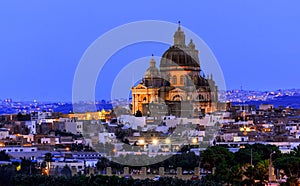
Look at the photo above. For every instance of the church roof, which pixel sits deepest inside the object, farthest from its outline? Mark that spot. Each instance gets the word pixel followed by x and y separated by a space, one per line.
pixel 152 71
pixel 180 54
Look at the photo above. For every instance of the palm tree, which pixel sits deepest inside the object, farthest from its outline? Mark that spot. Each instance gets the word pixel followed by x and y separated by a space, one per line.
pixel 262 168
pixel 47 160
pixel 250 175
pixel 48 157
pixel 296 151
pixel 235 175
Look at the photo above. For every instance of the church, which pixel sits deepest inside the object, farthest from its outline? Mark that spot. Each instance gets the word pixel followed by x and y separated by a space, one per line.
pixel 177 88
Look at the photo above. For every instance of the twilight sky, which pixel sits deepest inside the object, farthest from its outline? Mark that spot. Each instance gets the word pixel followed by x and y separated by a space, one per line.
pixel 255 42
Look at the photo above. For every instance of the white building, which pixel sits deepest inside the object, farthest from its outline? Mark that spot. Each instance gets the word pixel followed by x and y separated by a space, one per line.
pixel 29 138
pixel 132 121
pixel 266 106
pixel 40 117
pixel 72 126
pixel 17 149
pixel 31 125
pixel 4 133
pixel 45 140
pixel 240 138
pixel 106 137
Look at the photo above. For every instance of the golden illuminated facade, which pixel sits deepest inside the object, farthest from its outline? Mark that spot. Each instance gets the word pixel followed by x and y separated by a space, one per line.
pixel 177 87
pixel 99 115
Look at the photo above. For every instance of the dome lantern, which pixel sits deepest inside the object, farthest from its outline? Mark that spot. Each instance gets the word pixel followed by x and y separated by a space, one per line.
pixel 152 71
pixel 179 37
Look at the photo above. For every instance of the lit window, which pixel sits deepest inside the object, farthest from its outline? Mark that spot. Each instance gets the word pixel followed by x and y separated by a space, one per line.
pixel 174 80
pixel 182 79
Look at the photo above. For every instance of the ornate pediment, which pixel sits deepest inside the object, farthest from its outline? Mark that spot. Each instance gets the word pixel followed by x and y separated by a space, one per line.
pixel 140 86
pixel 177 90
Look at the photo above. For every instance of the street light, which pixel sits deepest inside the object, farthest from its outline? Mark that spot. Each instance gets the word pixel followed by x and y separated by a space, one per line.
pixel 141 142
pixel 188 98
pixel 168 141
pixel 155 141
pixel 271 169
pixel 271 156
pixel 194 141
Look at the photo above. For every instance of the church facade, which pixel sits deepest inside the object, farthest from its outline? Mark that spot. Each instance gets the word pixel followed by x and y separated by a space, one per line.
pixel 177 87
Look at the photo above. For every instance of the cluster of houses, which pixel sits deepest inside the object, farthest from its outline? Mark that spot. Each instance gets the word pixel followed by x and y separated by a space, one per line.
pixel 79 140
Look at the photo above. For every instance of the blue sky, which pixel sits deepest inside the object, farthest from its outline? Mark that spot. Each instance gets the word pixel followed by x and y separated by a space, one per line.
pixel 255 42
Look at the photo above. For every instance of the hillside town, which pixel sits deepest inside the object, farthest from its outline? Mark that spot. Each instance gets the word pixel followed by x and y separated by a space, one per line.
pixel 66 139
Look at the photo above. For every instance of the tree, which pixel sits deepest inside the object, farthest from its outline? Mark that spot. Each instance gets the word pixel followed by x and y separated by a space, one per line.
pixel 296 151
pixel 138 113
pixel 255 153
pixel 46 163
pixel 28 167
pixel 250 174
pixel 48 157
pixel 213 156
pixel 262 169
pixel 235 175
pixel 66 171
pixel 292 181
pixel 289 163
pixel 7 173
pixel 102 164
pixel 23 117
pixel 4 156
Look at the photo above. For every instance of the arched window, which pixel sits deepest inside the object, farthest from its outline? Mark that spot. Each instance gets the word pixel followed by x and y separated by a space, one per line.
pixel 177 98
pixel 200 97
pixel 195 79
pixel 182 79
pixel 174 80
pixel 145 99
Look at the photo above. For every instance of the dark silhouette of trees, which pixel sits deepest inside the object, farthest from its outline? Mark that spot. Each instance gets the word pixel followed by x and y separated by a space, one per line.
pixel 214 156
pixel 23 117
pixel 66 171
pixel 257 151
pixel 222 168
pixel 138 113
pixel 4 156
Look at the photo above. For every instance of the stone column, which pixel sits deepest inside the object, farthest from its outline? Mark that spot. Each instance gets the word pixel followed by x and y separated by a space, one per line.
pixel 213 170
pixel 161 171
pixel 179 172
pixel 91 170
pixel 126 170
pixel 108 171
pixel 144 173
pixel 74 171
pixel 197 171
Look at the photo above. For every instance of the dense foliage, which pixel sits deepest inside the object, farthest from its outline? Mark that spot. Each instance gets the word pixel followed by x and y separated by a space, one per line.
pixel 248 166
pixel 21 180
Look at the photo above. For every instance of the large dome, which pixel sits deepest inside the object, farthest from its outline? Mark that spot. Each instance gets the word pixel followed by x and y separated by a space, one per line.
pixel 179 56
